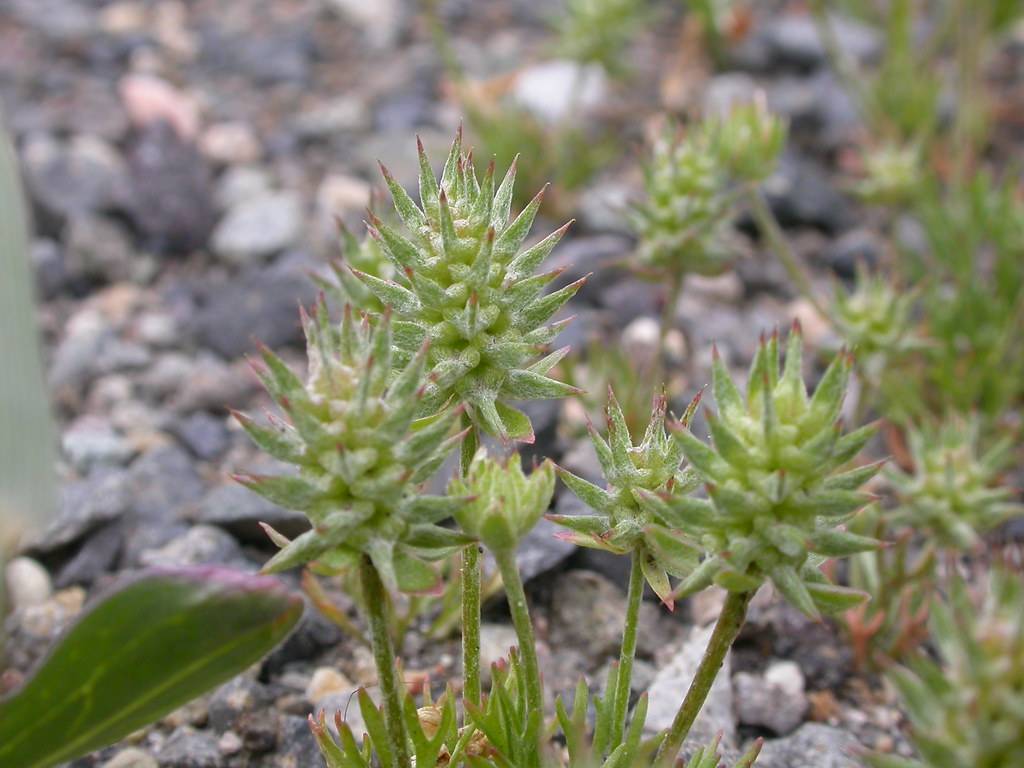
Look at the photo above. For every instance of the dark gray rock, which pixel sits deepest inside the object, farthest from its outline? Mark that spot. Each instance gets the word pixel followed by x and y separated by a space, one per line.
pixel 162 482
pixel 96 557
pixel 794 40
pixel 818 108
pixel 233 699
pixel 296 745
pixel 172 194
pixel 62 21
pixel 259 303
pixel 812 746
pixel 801 193
pixel 240 511
pixel 259 729
pixel 600 256
pixel 91 441
pixel 98 249
pixel 281 56
pixel 189 748
pixel 205 436
pixel 311 636
pixel 630 299
pixel 48 265
pixel 81 175
pixel 858 246
pixel 85 505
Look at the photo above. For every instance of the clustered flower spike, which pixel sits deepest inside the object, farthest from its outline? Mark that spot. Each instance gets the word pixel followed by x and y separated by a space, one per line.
pixel 953 492
pixel 365 256
pixel 464 285
pixel 360 462
pixel 630 517
pixel 874 318
pixel 748 140
pixel 682 224
pixel 776 492
pixel 505 503
pixel 967 709
pixel 892 175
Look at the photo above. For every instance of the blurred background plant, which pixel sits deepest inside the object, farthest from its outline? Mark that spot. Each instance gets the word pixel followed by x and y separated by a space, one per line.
pixel 964 705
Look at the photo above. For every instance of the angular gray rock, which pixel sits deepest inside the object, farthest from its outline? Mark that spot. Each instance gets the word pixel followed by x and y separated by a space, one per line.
pixel 812 746
pixel 774 699
pixel 671 684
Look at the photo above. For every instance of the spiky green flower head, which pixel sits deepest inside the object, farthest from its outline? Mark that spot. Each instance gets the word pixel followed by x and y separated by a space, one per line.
pixel 777 492
pixel 892 175
pixel 367 257
pixel 953 493
pixel 873 319
pixel 360 459
pixel 630 516
pixel 748 140
pixel 967 708
pixel 506 502
pixel 470 291
pixel 683 223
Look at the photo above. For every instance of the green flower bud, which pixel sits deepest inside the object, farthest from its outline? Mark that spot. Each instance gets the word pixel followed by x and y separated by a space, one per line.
pixel 749 140
pixel 631 515
pixel 874 318
pixel 953 493
pixel 360 459
pixel 682 224
pixel 463 284
pixel 967 709
pixel 505 502
pixel 776 492
pixel 892 175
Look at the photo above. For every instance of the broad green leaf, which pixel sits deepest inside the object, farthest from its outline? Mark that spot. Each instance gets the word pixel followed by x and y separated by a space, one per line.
pixel 146 648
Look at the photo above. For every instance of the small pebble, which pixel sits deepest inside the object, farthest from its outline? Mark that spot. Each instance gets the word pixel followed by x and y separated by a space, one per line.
pixel 28 583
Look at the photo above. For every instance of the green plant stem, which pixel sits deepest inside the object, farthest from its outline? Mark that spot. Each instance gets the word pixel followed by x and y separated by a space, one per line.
pixel 509 571
pixel 375 599
pixel 628 652
pixel 776 239
pixel 668 316
pixel 470 590
pixel 726 628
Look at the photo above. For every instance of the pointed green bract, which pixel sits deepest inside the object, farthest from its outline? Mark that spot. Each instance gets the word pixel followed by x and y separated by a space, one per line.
pixel 358 455
pixel 773 474
pixel 365 256
pixel 630 513
pixel 461 278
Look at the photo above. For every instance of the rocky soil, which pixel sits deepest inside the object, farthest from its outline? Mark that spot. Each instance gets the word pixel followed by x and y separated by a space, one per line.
pixel 185 163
